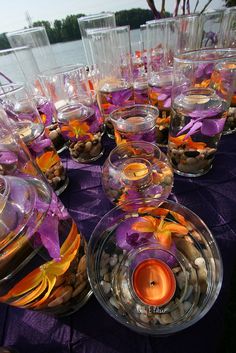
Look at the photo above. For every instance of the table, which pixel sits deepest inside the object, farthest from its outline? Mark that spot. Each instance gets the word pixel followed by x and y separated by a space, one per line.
pixel 91 329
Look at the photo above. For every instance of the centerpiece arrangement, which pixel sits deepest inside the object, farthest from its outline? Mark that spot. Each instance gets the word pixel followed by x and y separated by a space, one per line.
pixel 43 254
pixel 154 268
pixel 152 264
pixel 136 170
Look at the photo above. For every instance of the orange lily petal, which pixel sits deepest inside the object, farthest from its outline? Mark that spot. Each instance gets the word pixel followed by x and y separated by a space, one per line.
pixel 70 239
pixel 204 83
pixel 32 295
pixel 174 227
pixel 155 211
pixel 147 225
pixel 28 168
pixel 29 282
pixel 51 282
pixel 196 145
pixel 179 218
pixel 164 238
pixel 233 101
pixel 47 160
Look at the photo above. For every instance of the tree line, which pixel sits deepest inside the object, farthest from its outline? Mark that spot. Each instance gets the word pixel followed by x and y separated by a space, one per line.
pixel 68 29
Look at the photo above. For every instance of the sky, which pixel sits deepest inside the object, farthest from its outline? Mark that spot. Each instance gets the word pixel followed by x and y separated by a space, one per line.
pixel 13 12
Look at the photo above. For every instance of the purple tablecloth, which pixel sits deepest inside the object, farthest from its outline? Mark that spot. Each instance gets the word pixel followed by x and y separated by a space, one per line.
pixel 212 197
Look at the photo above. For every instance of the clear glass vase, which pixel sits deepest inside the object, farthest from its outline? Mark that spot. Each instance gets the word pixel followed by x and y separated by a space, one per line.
pixel 37 39
pixel 42 253
pixel 78 116
pixel 159 92
pixel 86 23
pixel 43 260
pixel 201 95
pixel 154 268
pixel 19 65
pixel 25 118
pixel 228 29
pixel 111 51
pixel 211 24
pixel 135 170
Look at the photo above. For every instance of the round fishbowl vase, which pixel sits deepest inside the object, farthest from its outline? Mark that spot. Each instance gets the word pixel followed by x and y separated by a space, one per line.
pixel 42 254
pixel 136 170
pixel 156 270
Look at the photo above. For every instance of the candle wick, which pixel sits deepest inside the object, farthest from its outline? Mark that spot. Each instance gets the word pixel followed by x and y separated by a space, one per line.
pixel 152 283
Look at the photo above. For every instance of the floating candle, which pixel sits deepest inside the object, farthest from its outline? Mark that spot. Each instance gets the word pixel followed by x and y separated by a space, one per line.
pixel 154 282
pixel 196 99
pixel 60 103
pixel 135 171
pixel 135 120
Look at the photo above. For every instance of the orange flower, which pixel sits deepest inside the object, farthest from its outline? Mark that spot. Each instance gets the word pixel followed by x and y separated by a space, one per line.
pixel 106 107
pixel 159 211
pixel 203 84
pixel 163 121
pixel 42 280
pixel 76 129
pixel 138 53
pixel 217 83
pixel 153 96
pixel 187 142
pixel 118 138
pixel 47 160
pixel 43 117
pixel 162 229
pixel 233 101
pixel 29 168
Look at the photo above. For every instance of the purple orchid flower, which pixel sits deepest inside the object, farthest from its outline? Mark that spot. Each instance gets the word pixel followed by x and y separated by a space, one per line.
pixel 119 97
pixel 204 71
pixel 40 144
pixel 8 157
pixel 153 190
pixel 211 38
pixel 46 107
pixel 164 95
pixel 48 230
pixel 94 122
pixel 211 127
pixel 141 95
pixel 127 238
pixel 208 127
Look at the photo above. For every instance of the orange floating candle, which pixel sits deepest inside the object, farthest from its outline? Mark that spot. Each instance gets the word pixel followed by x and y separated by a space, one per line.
pixel 154 282
pixel 135 171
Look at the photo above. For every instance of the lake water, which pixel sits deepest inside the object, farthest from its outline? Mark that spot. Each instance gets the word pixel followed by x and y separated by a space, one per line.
pixel 73 52
pixel 65 53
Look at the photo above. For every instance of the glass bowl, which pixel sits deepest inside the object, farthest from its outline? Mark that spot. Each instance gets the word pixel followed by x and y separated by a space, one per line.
pixel 136 170
pixel 156 270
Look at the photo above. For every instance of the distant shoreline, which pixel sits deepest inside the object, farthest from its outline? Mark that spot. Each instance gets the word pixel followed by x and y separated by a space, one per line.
pixel 67 29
